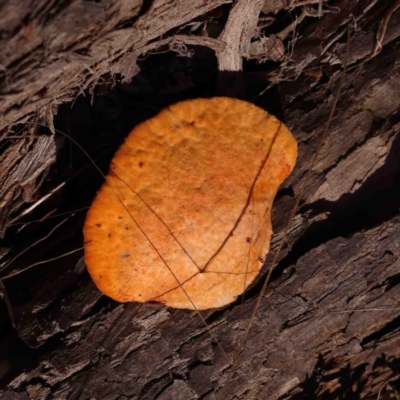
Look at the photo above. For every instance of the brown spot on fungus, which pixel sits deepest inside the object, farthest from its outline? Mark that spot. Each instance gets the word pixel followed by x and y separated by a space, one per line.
pixel 192 228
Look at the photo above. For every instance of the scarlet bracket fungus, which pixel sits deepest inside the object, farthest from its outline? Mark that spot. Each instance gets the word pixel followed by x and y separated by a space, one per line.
pixel 184 216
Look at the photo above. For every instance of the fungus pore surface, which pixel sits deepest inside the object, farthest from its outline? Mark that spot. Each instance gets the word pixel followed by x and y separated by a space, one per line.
pixel 184 217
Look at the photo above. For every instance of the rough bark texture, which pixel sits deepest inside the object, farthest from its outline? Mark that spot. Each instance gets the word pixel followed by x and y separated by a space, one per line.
pixel 64 48
pixel 328 325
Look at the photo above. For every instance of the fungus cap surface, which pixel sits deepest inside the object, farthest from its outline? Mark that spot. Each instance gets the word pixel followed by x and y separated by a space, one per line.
pixel 184 217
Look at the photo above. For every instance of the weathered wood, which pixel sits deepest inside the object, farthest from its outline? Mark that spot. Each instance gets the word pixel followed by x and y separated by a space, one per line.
pixel 328 325
pixel 53 51
pixel 23 167
pixel 240 28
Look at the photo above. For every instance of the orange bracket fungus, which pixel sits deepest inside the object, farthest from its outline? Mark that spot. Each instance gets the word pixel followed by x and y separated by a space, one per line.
pixel 184 217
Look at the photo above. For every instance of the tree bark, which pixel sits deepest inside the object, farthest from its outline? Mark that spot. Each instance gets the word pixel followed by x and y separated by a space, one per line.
pixel 328 324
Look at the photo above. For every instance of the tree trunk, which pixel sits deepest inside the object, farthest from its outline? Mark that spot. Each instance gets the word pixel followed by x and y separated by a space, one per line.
pixel 328 324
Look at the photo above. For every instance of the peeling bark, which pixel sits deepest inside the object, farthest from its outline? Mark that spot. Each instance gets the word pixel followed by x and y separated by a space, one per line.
pixel 64 49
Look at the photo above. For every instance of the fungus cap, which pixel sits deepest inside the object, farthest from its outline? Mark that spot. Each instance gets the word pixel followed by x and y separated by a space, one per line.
pixel 184 217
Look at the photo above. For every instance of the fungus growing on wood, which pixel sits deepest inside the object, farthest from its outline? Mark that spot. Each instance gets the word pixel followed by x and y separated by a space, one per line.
pixel 184 217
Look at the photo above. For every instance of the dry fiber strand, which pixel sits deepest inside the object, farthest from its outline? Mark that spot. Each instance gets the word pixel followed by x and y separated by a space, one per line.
pixel 184 217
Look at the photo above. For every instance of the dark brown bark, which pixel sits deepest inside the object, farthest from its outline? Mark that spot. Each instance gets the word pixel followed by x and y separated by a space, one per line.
pixel 328 325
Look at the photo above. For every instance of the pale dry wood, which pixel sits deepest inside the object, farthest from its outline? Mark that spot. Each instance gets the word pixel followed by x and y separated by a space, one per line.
pixel 240 28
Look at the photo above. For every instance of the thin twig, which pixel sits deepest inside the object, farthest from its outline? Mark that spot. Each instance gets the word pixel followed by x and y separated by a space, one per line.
pixel 37 203
pixel 292 214
pixel 52 191
pixel 380 35
pixel 384 384
pixel 45 218
pixel 382 29
pixel 320 9
pixel 37 242
pixel 42 262
pixel 286 31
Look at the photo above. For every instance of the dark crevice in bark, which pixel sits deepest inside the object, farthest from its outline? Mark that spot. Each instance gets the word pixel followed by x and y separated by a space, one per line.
pixel 390 327
pixel 375 202
pixel 393 280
